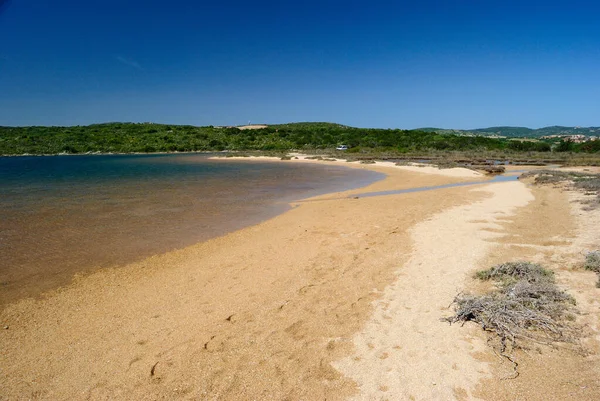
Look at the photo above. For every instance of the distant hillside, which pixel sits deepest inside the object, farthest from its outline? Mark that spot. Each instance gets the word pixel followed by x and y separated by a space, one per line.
pixel 556 130
pixel 443 131
pixel 520 132
pixel 501 131
pixel 505 131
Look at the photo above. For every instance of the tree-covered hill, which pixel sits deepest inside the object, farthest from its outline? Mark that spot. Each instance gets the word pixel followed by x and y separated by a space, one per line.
pixel 149 137
pixel 558 130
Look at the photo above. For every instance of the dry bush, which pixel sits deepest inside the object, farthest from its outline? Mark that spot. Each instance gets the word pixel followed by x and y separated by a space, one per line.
pixel 549 176
pixel 512 271
pixel 591 204
pixel 588 183
pixel 494 169
pixel 525 306
pixel 592 263
pixel 444 164
pixel 403 163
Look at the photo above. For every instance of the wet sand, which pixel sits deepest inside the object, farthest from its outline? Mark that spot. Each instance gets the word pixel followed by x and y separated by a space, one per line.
pixel 338 298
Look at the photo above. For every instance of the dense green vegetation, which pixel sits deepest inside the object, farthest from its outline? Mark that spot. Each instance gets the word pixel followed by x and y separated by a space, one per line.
pixel 148 137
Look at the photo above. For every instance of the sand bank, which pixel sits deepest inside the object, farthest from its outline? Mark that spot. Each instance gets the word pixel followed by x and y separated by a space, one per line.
pixel 555 231
pixel 404 352
pixel 421 168
pixel 288 309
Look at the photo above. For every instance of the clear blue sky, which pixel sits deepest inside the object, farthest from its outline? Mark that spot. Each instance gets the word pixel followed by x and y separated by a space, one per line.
pixel 404 64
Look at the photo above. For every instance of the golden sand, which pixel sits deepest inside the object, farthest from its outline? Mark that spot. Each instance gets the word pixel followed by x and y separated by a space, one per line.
pixel 338 298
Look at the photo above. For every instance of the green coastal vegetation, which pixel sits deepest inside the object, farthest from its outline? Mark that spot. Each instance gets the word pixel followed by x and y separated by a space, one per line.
pixel 150 138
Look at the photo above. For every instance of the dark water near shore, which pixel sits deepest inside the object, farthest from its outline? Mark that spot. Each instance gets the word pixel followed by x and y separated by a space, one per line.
pixel 63 215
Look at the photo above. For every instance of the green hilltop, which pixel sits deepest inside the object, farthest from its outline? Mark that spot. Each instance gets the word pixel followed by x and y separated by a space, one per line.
pixel 149 137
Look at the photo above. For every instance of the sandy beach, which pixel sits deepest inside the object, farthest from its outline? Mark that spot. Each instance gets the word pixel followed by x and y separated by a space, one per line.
pixel 339 298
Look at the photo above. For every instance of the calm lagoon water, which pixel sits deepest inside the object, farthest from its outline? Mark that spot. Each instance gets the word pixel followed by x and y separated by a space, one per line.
pixel 61 215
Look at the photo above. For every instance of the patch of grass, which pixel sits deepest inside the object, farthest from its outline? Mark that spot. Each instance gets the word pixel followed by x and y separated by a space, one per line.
pixel 525 306
pixel 367 162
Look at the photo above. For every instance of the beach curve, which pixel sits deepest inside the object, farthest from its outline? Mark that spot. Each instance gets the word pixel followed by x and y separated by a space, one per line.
pixel 280 310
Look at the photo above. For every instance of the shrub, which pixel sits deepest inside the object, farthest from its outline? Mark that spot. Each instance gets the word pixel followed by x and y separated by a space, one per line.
pixel 494 169
pixel 592 261
pixel 526 306
pixel 549 176
pixel 514 271
pixel 446 164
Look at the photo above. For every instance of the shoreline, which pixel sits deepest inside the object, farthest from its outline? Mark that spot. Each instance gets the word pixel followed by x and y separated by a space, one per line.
pixel 113 298
pixel 461 175
pixel 269 311
pixel 424 168
pixel 153 225
pixel 226 154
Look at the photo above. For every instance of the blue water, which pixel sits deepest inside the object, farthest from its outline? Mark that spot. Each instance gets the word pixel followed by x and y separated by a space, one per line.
pixel 60 215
